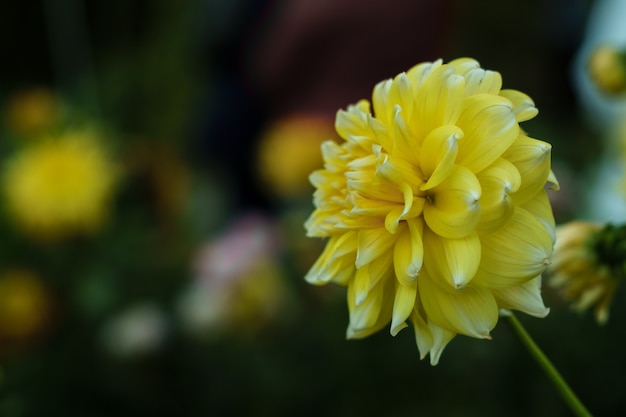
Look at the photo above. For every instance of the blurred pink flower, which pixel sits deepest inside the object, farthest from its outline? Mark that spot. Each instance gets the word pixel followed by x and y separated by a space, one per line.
pixel 237 278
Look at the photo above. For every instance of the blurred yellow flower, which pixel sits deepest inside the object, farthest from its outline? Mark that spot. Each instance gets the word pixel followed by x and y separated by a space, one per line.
pixel 434 206
pixel 60 186
pixel 607 68
pixel 32 112
pixel 289 150
pixel 588 264
pixel 24 305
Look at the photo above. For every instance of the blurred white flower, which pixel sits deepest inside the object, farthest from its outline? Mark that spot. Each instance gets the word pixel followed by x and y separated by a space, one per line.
pixel 603 112
pixel 605 26
pixel 140 330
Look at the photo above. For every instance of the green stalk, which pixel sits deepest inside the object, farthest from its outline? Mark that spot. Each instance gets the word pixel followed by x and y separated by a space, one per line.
pixel 553 374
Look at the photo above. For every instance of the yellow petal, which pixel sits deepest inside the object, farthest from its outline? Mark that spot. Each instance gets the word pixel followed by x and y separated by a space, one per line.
pixel 525 298
pixel 377 189
pixel 368 207
pixel 429 337
pixel 364 313
pixel 423 336
pixel 412 207
pixel 453 208
pixel 334 156
pixel 553 181
pixel 540 207
pixel 497 182
pixel 397 170
pixel 408 253
pixel 573 269
pixel 392 219
pixel 330 198
pixel 336 263
pixel 482 81
pixel 362 167
pixel 327 179
pixel 602 307
pixel 453 262
pixel 572 235
pixel 478 80
pixel 471 311
pixel 403 305
pixel 324 224
pixel 588 297
pixel 532 159
pixel 441 338
pixel 379 133
pixel 383 108
pixel 523 106
pixel 463 65
pixel 372 244
pixel 401 94
pixel 490 128
pixel 373 314
pixel 361 130
pixel 353 121
pixel 420 73
pixel 515 253
pixel 362 284
pixel 438 102
pixel 369 275
pixel 343 222
pixel 404 144
pixel 438 154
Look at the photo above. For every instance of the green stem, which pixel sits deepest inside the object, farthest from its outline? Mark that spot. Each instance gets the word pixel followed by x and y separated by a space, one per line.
pixel 566 392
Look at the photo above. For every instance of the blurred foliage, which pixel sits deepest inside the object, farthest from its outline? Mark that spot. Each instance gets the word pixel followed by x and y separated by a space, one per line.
pixel 154 77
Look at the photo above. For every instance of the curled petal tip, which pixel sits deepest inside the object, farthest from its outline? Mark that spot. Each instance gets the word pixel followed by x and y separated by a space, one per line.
pixel 360 298
pixel 395 328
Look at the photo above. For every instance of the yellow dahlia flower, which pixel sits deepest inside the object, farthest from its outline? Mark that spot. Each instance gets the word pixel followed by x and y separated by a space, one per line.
pixel 60 186
pixel 434 206
pixel 588 264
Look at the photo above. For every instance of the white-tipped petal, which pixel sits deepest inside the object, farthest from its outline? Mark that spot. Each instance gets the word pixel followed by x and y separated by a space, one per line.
pixel 403 304
pixel 525 298
pixel 471 311
pixel 453 261
pixel 453 208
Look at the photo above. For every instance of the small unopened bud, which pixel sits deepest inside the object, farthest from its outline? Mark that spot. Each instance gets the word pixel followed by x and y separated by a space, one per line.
pixel 608 245
pixel 588 264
